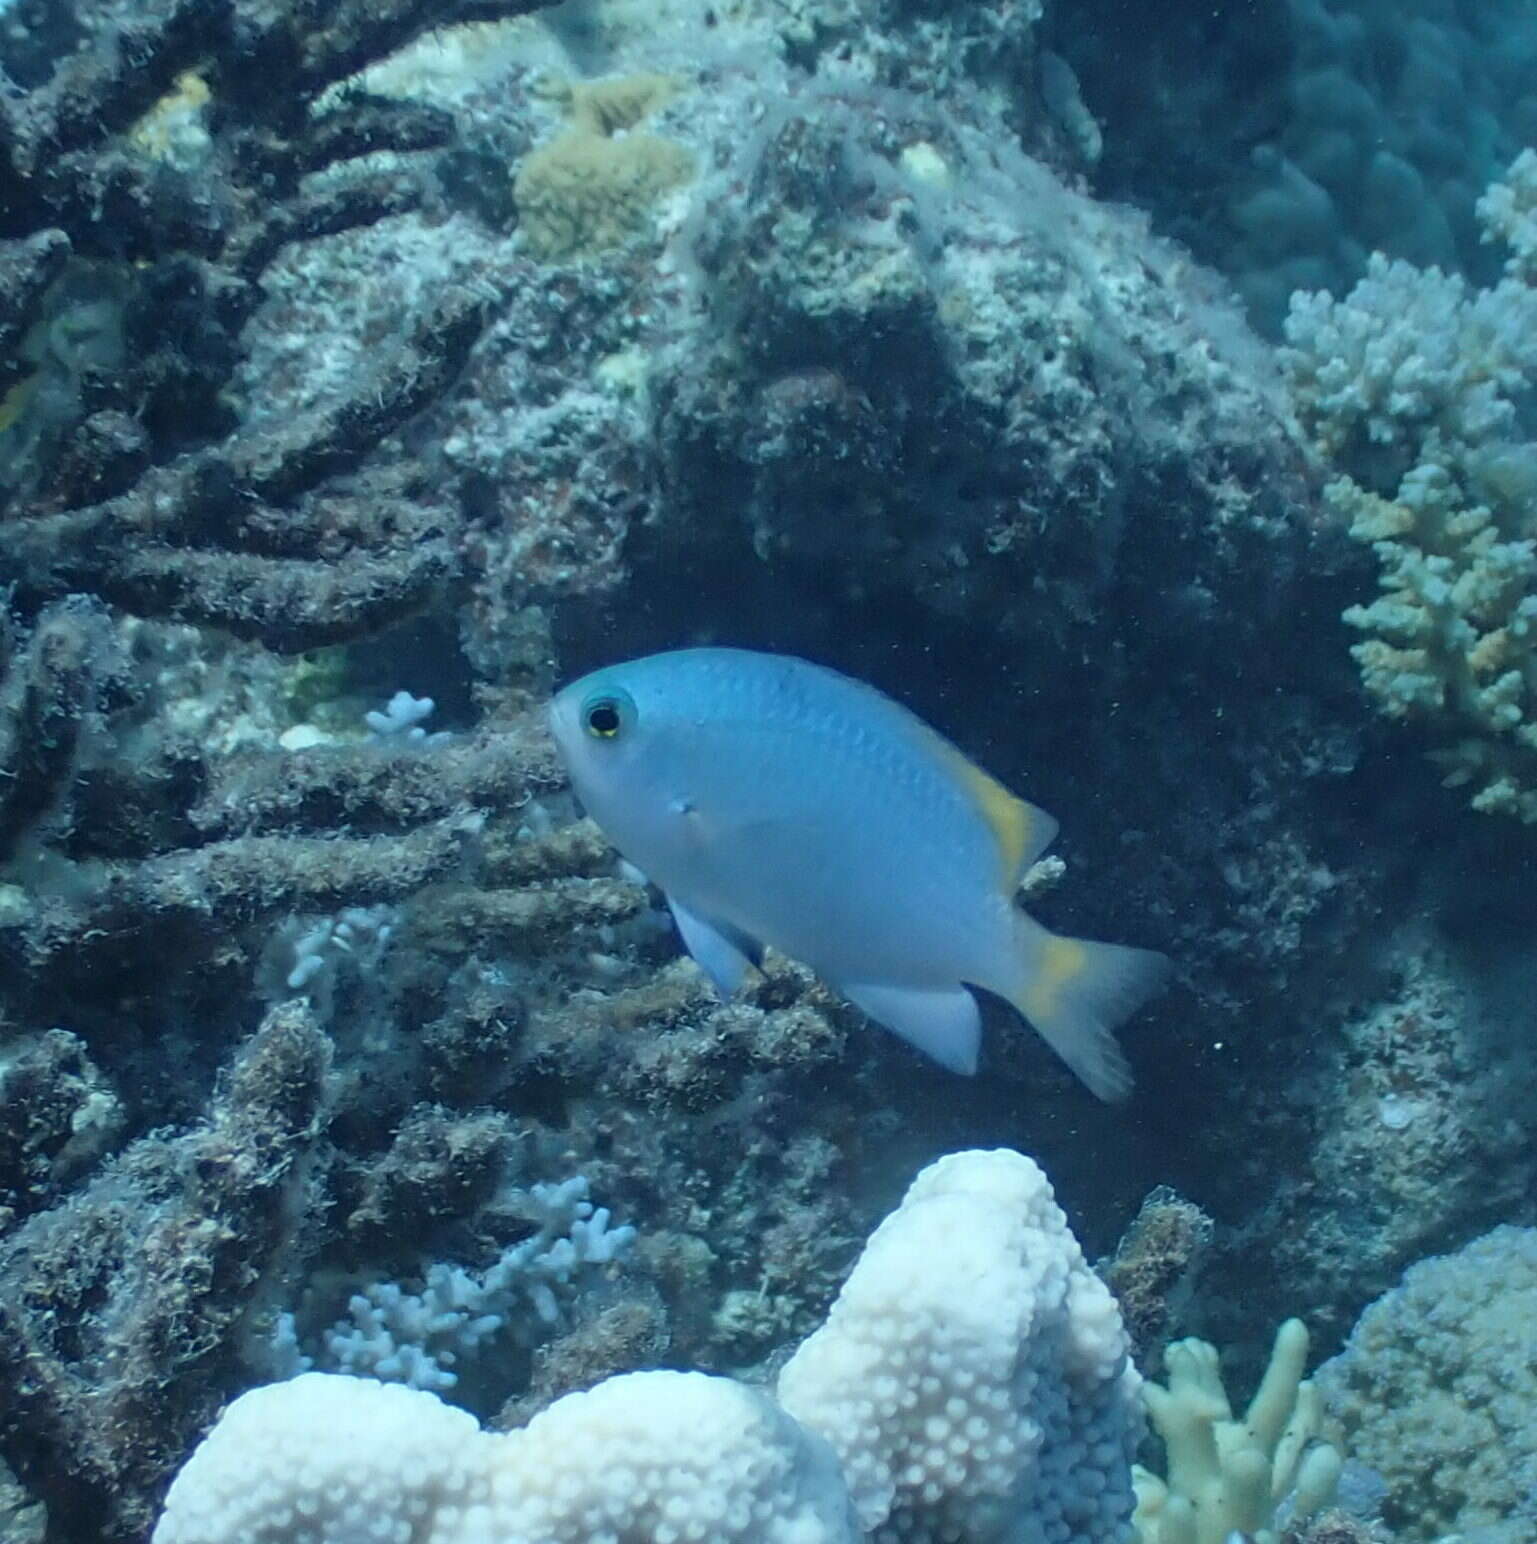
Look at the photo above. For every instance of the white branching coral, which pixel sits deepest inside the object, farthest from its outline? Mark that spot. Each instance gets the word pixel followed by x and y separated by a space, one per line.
pixel 425 1337
pixel 1509 214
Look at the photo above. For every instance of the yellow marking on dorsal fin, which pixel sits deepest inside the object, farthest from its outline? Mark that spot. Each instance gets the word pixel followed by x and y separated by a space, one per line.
pixel 1008 817
pixel 1022 831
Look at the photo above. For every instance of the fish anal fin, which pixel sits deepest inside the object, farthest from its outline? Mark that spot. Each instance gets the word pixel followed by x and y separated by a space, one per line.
pixel 722 952
pixel 945 1023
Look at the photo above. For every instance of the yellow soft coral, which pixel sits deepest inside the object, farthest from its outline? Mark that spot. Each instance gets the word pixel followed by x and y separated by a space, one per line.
pixel 592 186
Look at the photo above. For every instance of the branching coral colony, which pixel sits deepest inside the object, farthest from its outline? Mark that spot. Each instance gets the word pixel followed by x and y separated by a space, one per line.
pixel 1416 387
pixel 145 188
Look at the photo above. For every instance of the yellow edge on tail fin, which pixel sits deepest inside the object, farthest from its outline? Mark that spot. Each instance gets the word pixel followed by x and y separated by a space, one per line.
pixel 1059 961
pixel 1077 993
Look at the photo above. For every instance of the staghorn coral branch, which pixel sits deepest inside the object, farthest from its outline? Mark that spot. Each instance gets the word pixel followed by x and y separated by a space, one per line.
pixel 370 789
pixel 179 545
pixel 208 890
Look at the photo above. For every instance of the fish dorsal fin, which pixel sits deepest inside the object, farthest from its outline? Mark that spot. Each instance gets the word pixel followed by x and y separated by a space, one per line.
pixel 1022 831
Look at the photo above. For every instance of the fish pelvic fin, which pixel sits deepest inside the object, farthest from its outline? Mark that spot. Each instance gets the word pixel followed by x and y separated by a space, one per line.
pixel 1076 993
pixel 722 952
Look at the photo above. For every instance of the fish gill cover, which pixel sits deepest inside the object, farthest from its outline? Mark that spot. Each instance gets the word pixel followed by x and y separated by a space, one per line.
pixel 368 371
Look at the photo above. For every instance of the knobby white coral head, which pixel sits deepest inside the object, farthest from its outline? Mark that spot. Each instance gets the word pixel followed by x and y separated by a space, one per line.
pixel 971 1382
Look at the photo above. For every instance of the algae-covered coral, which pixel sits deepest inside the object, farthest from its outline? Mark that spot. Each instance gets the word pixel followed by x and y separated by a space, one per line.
pixel 1433 1390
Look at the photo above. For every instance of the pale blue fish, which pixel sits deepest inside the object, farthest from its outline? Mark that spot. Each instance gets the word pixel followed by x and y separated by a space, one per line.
pixel 778 803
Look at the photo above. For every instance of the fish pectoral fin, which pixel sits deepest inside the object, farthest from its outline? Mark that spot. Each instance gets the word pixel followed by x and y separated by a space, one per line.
pixel 721 951
pixel 945 1024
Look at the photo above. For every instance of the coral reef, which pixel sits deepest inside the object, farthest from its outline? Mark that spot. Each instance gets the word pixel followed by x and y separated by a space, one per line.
pixel 423 1338
pixel 1335 1527
pixel 490 961
pixel 22 1520
pixel 973 1368
pixel 150 183
pixel 58 1115
pixel 1406 1130
pixel 256 837
pixel 131 282
pixel 1153 1269
pixel 1283 147
pixel 684 1455
pixel 936 390
pixel 1229 1476
pixel 114 1305
pixel 593 184
pixel 335 427
pixel 920 397
pixel 56 676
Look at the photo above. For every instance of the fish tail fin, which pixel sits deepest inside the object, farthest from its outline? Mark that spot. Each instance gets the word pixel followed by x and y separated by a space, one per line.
pixel 1075 994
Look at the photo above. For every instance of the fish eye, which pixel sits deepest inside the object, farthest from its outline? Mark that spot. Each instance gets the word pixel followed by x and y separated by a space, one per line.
pixel 603 718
